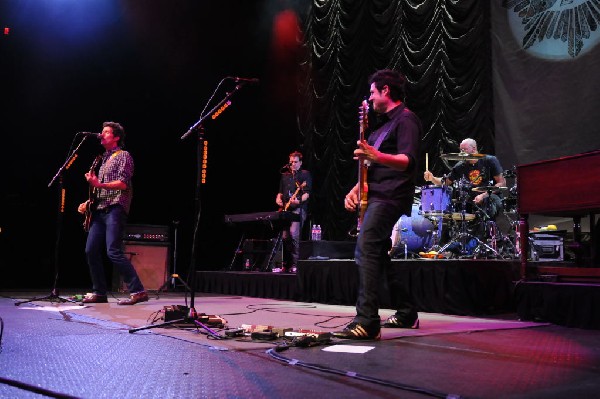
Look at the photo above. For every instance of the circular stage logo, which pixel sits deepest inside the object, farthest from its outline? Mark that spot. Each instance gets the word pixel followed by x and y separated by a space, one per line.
pixel 555 29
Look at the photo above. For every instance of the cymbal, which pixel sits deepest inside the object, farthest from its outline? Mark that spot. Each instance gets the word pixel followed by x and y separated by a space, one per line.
pixel 485 189
pixel 461 156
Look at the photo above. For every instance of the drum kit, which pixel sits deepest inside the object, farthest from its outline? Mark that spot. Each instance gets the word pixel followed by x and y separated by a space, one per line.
pixel 445 223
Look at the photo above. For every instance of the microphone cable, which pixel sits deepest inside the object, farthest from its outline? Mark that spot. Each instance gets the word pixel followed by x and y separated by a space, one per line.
pixel 295 362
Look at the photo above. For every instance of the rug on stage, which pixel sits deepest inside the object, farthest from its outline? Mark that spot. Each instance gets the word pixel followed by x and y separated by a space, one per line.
pixel 238 311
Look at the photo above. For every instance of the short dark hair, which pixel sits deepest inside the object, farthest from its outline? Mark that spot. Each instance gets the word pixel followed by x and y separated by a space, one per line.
pixel 296 154
pixel 392 79
pixel 117 129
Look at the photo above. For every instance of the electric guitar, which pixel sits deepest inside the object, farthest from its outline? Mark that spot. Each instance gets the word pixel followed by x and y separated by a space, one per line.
pixel 363 166
pixel 89 206
pixel 293 197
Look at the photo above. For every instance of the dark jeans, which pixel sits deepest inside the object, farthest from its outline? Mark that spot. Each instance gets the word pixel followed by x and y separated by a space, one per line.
pixel 374 262
pixel 291 239
pixel 106 233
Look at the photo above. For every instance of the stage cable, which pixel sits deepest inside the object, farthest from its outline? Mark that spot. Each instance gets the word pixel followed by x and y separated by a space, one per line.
pixel 294 362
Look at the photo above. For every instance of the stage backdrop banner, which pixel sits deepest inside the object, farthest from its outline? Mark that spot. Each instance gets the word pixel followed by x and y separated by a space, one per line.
pixel 546 58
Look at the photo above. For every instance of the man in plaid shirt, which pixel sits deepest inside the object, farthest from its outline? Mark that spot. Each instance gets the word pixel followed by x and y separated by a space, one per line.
pixel 113 192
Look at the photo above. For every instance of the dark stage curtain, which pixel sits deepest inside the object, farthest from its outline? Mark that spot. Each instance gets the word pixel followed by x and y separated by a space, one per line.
pixel 442 46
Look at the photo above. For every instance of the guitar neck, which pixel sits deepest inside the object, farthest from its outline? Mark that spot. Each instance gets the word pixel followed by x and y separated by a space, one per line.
pixel 363 187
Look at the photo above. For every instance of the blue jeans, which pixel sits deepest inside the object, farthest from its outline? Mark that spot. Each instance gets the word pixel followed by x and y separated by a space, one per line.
pixel 106 232
pixel 373 261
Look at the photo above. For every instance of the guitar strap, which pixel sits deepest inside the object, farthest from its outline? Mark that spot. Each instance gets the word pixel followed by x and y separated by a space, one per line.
pixel 387 131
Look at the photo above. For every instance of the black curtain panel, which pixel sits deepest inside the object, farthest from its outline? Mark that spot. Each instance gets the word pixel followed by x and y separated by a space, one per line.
pixel 443 48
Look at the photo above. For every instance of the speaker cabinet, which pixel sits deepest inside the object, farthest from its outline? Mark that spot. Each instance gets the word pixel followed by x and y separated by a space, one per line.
pixel 151 262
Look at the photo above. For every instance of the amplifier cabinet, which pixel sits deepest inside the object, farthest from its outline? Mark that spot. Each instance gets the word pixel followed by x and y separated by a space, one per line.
pixel 147 233
pixel 151 262
pixel 549 246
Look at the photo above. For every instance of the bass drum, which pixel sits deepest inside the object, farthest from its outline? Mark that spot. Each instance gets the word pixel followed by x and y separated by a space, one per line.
pixel 415 233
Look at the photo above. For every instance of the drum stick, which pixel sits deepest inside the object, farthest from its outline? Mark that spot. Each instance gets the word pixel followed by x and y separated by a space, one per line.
pixel 426 161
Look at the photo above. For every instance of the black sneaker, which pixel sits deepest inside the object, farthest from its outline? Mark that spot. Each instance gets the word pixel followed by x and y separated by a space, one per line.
pixel 356 330
pixel 393 322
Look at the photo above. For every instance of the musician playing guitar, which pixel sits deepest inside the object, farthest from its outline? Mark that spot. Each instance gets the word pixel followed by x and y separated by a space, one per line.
pixel 294 190
pixel 113 193
pixel 391 149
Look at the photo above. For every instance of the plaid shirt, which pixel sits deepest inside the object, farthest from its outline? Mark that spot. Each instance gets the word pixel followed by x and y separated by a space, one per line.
pixel 117 164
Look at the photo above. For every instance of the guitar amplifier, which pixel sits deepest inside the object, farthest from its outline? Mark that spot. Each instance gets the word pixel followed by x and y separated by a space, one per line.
pixel 151 262
pixel 149 250
pixel 146 233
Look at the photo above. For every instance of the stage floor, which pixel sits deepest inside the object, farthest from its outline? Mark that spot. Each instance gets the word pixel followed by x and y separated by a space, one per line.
pixel 65 350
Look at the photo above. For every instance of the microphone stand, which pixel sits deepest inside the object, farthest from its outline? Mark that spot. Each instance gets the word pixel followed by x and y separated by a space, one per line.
pixel 54 294
pixel 191 317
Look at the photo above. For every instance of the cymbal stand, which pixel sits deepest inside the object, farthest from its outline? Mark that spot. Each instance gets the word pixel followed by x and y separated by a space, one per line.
pixel 490 228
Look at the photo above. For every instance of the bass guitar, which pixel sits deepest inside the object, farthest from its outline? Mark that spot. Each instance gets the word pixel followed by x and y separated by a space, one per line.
pixel 363 166
pixel 293 197
pixel 89 206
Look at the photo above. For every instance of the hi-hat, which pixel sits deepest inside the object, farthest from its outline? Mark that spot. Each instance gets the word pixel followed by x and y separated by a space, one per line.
pixel 485 189
pixel 461 156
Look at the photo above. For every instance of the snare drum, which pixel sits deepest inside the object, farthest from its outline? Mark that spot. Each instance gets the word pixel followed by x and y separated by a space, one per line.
pixel 436 201
pixel 414 232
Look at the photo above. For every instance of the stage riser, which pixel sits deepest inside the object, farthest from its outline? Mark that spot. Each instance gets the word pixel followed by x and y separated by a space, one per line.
pixel 252 284
pixel 570 305
pixel 465 287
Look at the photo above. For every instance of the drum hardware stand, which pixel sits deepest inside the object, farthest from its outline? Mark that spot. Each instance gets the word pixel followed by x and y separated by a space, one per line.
pixel 435 239
pixel 508 244
pixel 464 236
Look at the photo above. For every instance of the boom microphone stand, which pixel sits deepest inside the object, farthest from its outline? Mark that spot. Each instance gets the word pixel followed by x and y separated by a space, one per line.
pixel 54 294
pixel 192 317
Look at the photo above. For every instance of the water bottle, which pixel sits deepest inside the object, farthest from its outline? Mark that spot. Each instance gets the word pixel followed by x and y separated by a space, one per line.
pixel 247 264
pixel 318 232
pixel 313 233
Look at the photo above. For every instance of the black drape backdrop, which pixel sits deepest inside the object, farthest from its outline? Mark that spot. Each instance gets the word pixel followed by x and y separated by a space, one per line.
pixel 443 47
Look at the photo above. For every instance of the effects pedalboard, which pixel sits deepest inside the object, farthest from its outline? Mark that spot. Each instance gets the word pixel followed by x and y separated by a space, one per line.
pixel 270 333
pixel 179 312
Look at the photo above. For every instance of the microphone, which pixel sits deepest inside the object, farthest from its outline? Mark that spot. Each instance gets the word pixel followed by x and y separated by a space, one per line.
pixel 88 134
pixel 250 81
pixel 286 166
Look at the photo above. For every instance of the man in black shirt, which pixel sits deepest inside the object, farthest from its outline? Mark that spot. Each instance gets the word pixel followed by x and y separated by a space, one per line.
pixel 392 149
pixel 294 191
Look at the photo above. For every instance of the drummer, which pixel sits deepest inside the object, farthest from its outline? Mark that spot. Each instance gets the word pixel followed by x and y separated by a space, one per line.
pixel 480 172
